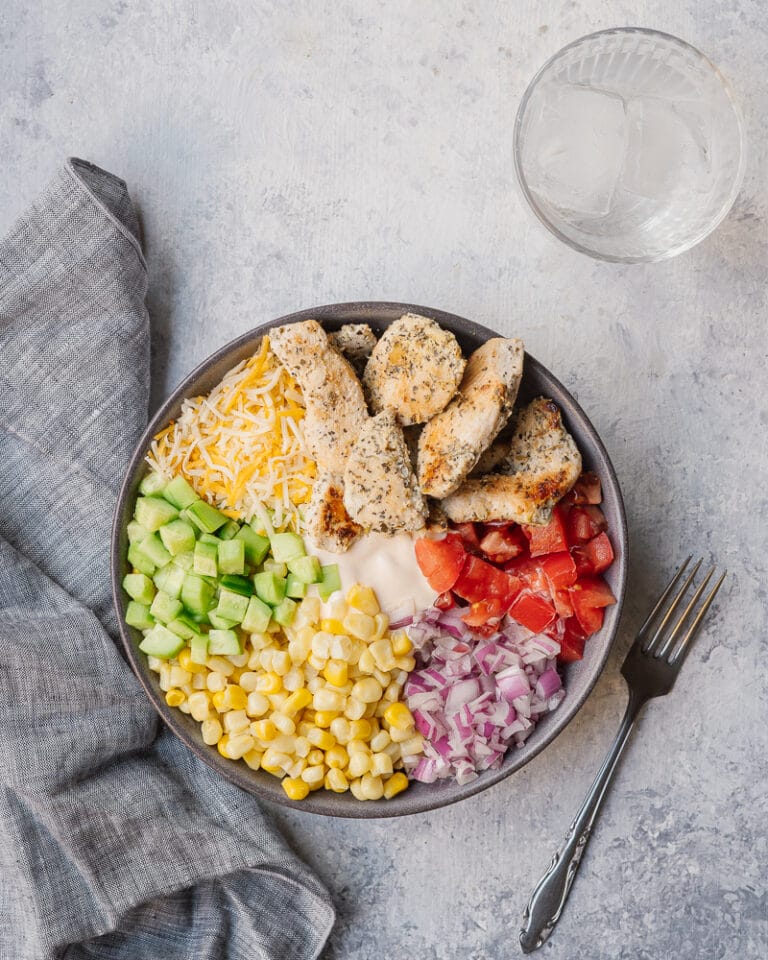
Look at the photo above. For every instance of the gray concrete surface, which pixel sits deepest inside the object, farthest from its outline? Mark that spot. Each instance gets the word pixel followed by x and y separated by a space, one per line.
pixel 285 154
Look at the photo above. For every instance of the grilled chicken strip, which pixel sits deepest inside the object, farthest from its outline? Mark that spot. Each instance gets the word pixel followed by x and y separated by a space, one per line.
pixel 453 440
pixel 335 406
pixel 414 369
pixel 380 489
pixel 542 465
pixel 328 523
pixel 356 342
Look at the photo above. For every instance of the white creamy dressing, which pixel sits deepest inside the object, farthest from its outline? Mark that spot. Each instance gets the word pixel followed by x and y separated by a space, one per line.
pixel 388 564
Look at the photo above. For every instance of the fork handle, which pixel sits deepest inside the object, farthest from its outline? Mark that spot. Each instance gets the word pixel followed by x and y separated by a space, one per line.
pixel 551 893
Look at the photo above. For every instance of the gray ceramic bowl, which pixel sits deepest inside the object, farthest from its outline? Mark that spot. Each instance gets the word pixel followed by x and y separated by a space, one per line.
pixel 579 677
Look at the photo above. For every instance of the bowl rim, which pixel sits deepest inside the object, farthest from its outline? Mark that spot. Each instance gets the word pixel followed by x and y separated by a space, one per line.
pixel 317 803
pixel 537 209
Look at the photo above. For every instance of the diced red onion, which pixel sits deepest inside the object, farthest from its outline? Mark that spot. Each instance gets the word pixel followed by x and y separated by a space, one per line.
pixel 548 683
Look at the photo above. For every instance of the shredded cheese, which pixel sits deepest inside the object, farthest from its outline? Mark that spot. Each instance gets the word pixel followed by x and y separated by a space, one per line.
pixel 242 447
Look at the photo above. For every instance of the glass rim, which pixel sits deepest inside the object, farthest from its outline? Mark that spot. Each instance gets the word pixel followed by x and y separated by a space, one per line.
pixel 536 208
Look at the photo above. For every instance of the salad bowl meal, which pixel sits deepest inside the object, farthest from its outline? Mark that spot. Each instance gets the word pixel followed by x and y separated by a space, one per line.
pixel 369 559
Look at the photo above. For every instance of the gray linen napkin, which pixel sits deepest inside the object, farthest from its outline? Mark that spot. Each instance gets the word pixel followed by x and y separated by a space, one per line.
pixel 115 841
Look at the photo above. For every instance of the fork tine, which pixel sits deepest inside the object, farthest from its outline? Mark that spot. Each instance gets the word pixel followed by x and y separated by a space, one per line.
pixel 668 645
pixel 648 646
pixel 682 650
pixel 662 599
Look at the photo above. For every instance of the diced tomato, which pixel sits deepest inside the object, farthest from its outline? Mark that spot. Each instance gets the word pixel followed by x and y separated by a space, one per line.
pixel 593 592
pixel 446 601
pixel 582 561
pixel 480 581
pixel 599 552
pixel 587 489
pixel 500 544
pixel 484 611
pixel 469 535
pixel 532 611
pixel 562 602
pixel 559 569
pixel 583 523
pixel 530 572
pixel 572 641
pixel 547 539
pixel 590 618
pixel 441 561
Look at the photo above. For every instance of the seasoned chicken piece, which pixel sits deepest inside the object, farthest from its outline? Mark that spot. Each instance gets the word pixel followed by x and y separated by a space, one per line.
pixel 380 489
pixel 355 341
pixel 542 465
pixel 412 435
pixel 452 441
pixel 333 397
pixel 414 369
pixel 328 523
pixel 491 458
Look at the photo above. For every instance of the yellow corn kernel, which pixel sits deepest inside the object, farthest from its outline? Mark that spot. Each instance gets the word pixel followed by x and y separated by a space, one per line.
pixel 337 757
pixel 264 730
pixel 366 663
pixel 359 625
pixel 256 704
pixel 178 676
pixel 324 718
pixel 396 784
pixel 340 728
pixel 294 679
pixel 278 699
pixel 253 758
pixel 380 740
pixel 401 644
pixel 265 658
pixel 303 747
pixel 212 731
pixel 357 746
pixel 405 663
pixel 333 627
pixel 381 764
pixel 154 663
pixel 359 763
pixel 306 724
pixel 341 648
pixel 198 681
pixel 235 721
pixel 354 709
pixel 269 683
pixel 367 690
pixel 356 789
pixel 392 692
pixel 315 757
pixel 297 701
pixel 165 676
pixel 313 775
pixel 370 710
pixel 199 705
pixel 239 745
pixel 220 665
pixel 187 663
pixel 223 747
pixel 175 697
pixel 215 681
pixel 297 768
pixel 336 781
pixel 295 788
pixel 299 650
pixel 360 730
pixel 335 672
pixel 383 677
pixel 328 699
pixel 248 680
pixel 284 743
pixel 274 762
pixel 235 698
pixel 372 788
pixel 310 609
pixel 238 659
pixel 381 624
pixel 316 663
pixel 381 651
pixel 321 738
pixel 398 715
pixel 281 662
pixel 283 722
pixel 393 750
pixel 363 599
pixel 337 608
pixel 412 746
pixel 400 736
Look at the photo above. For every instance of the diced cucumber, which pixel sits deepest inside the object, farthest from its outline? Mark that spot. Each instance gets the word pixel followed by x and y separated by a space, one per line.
pixel 184 626
pixel 152 548
pixel 269 587
pixel 331 581
pixel 170 579
pixel 286 546
pixel 160 642
pixel 136 532
pixel 295 588
pixel 165 607
pixel 256 546
pixel 209 538
pixel 231 556
pixel 307 569
pixel 154 512
pixel 140 561
pixel 180 493
pixel 177 537
pixel 275 566
pixel 237 584
pixel 205 559
pixel 196 594
pixel 220 623
pixel 184 560
pixel 257 616
pixel 198 648
pixel 152 484
pixel 205 517
pixel 138 615
pixel 229 530
pixel 224 643
pixel 231 605
pixel 284 612
pixel 139 587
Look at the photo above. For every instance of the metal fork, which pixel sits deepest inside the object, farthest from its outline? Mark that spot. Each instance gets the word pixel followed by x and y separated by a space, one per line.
pixel 650 669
